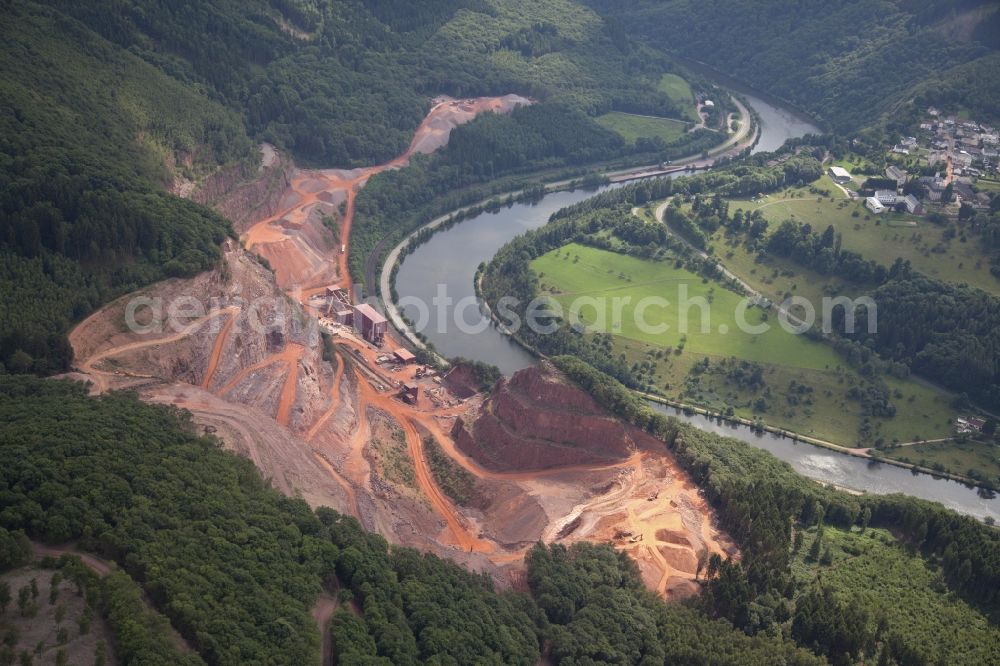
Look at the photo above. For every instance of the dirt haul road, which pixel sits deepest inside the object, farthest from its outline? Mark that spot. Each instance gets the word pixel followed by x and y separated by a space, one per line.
pixel 286 239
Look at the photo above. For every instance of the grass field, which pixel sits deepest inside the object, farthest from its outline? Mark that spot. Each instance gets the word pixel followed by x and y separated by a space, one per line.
pixel 605 275
pixel 955 457
pixel 679 91
pixel 879 573
pixel 884 237
pixel 631 127
pixel 986 185
pixel 825 411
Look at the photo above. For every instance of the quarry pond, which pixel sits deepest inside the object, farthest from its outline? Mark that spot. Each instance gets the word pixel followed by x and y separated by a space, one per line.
pixel 451 258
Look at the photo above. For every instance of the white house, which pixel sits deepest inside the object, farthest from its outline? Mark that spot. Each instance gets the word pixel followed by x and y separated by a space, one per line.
pixel 840 175
pixel 872 204
pixel 886 197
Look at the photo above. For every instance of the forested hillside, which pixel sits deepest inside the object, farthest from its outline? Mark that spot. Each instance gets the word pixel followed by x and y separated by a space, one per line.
pixel 948 333
pixel 88 133
pixel 346 83
pixel 847 62
pixel 105 103
pixel 236 566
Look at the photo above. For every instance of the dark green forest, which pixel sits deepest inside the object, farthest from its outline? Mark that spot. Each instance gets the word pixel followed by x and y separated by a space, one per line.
pixel 106 103
pixel 235 566
pixel 949 333
pixel 86 129
pixel 850 63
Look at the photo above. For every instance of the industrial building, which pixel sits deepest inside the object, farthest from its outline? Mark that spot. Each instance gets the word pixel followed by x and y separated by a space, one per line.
pixel 404 356
pixel 339 306
pixel 839 175
pixel 370 323
pixel 410 393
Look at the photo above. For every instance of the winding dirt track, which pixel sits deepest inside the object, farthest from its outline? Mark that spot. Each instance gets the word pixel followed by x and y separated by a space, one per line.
pixel 94 563
pixel 99 377
pixel 338 376
pixel 220 342
pixel 321 614
pixel 310 189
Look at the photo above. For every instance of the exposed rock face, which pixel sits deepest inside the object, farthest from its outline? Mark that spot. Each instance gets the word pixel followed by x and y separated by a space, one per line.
pixel 244 193
pixel 538 420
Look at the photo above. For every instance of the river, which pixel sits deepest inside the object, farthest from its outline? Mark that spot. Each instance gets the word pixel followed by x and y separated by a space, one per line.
pixel 449 261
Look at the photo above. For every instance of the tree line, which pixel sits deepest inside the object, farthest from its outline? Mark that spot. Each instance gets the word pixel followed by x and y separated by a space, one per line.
pixel 235 566
pixel 759 499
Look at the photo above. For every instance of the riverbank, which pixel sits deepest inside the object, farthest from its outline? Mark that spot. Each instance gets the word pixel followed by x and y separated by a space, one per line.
pixel 865 453
pixel 761 428
pixel 745 138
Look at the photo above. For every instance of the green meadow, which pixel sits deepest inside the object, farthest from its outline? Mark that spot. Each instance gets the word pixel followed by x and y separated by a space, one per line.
pixel 632 127
pixel 956 457
pixel 576 271
pixel 592 277
pixel 941 251
pixel 679 91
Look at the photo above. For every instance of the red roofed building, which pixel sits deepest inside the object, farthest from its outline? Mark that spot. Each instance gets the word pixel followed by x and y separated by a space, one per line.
pixel 404 356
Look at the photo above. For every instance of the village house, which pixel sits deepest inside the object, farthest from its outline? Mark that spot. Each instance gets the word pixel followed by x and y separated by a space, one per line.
pixel 893 172
pixel 913 205
pixel 967 425
pixel 934 186
pixel 962 159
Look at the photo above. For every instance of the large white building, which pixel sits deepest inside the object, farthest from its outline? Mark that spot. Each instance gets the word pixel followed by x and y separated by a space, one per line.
pixel 886 197
pixel 872 204
pixel 840 175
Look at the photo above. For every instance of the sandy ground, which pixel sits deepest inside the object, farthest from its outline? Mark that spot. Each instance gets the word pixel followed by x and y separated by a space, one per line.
pixel 308 422
pixel 41 629
pixel 293 240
